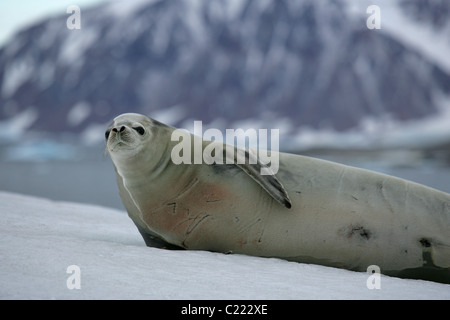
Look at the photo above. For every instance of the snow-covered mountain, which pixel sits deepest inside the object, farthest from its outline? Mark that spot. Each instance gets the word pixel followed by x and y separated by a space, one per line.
pixel 310 68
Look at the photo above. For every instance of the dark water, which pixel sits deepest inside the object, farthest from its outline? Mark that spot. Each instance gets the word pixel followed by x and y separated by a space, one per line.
pixel 91 178
pixel 82 181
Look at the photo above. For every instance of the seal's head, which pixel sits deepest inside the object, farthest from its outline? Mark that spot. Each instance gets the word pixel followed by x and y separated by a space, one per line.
pixel 127 135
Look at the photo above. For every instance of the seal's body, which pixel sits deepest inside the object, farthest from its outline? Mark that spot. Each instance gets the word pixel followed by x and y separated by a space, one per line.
pixel 311 211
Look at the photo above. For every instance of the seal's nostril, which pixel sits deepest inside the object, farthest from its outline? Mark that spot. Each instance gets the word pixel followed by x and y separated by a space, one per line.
pixel 114 129
pixel 122 128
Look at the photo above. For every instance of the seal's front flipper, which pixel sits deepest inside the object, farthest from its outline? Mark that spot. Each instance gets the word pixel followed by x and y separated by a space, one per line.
pixel 269 182
pixel 250 164
pixel 155 242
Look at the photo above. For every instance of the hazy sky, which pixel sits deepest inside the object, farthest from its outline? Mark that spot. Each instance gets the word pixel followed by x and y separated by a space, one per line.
pixel 17 14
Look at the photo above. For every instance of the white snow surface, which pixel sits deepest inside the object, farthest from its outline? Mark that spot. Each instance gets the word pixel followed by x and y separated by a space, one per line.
pixel 40 239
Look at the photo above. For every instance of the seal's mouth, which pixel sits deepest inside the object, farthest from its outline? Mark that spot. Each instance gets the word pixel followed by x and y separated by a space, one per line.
pixel 119 140
pixel 117 143
pixel 113 145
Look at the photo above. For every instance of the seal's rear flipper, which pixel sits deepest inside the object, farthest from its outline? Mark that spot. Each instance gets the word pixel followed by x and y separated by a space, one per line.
pixel 441 256
pixel 436 263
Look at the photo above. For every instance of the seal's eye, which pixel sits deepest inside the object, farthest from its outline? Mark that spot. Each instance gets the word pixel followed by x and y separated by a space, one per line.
pixel 139 130
pixel 107 134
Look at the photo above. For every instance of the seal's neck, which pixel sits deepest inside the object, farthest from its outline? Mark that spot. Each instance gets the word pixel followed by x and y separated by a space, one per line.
pixel 144 166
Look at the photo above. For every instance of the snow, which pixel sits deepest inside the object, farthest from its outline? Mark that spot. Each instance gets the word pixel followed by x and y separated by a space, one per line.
pixel 94 134
pixel 46 74
pixel 16 74
pixel 381 132
pixel 126 9
pixel 234 8
pixel 169 115
pixel 79 112
pixel 76 43
pixel 422 37
pixel 17 125
pixel 40 239
pixel 16 17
